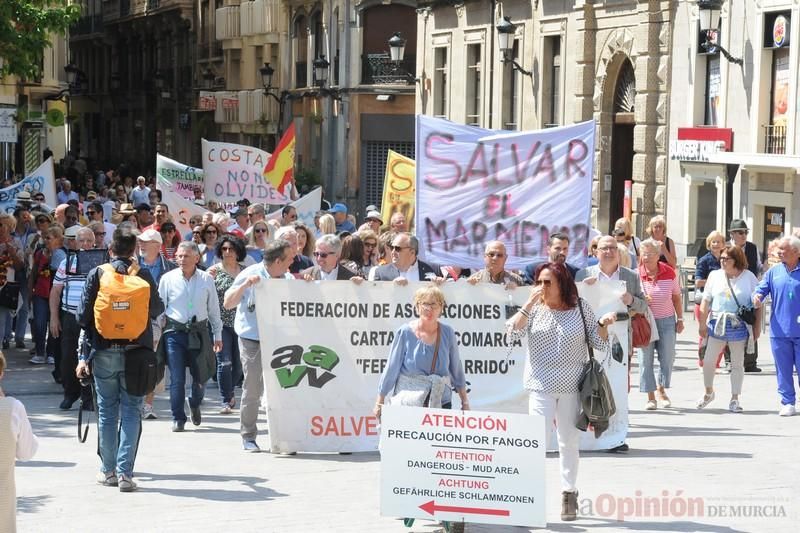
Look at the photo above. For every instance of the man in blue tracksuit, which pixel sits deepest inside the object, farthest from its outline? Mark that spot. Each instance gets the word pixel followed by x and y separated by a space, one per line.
pixel 782 284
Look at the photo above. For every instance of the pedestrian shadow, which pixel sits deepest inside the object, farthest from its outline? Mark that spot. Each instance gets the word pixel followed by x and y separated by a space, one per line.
pixel 32 504
pixel 335 457
pixel 48 464
pixel 620 525
pixel 673 454
pixel 253 491
pixel 687 431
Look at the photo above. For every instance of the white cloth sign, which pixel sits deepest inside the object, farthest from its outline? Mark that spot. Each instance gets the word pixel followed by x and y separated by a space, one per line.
pixel 234 171
pixel 306 206
pixel 326 343
pixel 475 185
pixel 41 180
pixel 471 466
pixel 182 178
pixel 180 208
pixel 8 125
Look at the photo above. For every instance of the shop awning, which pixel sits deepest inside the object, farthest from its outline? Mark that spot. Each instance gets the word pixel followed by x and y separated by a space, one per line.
pixel 755 160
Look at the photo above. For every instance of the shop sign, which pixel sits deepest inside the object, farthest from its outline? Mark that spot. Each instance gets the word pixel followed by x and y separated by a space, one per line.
pixel 691 150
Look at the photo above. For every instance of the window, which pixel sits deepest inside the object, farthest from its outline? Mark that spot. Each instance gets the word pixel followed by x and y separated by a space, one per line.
pixel 301 52
pixel 552 88
pixel 511 92
pixel 775 140
pixel 713 80
pixel 474 92
pixel 440 88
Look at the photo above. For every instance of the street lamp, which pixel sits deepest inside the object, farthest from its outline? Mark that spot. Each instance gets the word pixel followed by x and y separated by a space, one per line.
pixel 267 72
pixel 709 12
pixel 321 70
pixel 505 40
pixel 397 47
pixel 72 74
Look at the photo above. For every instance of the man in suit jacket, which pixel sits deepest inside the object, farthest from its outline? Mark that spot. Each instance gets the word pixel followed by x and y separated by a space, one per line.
pixel 557 251
pixel 405 266
pixel 609 269
pixel 327 253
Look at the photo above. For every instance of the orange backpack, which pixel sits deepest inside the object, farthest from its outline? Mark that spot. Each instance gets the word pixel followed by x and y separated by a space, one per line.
pixel 121 310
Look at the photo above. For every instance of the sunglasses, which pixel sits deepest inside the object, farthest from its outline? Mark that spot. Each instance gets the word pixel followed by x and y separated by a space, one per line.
pixel 398 248
pixel 196 233
pixel 260 230
pixel 370 244
pixel 211 231
pixel 90 213
pixel 100 234
pixel 227 249
pixel 545 282
pixel 321 255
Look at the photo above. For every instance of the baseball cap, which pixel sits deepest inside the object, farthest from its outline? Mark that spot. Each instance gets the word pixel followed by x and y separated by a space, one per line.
pixel 91 195
pixel 239 213
pixel 338 208
pixel 376 215
pixel 151 235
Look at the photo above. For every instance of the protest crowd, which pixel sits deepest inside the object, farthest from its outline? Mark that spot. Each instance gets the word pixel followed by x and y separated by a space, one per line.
pixel 110 237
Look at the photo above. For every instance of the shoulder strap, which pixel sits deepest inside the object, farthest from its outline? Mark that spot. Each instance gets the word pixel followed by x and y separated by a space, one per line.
pixel 585 329
pixel 733 292
pixel 436 349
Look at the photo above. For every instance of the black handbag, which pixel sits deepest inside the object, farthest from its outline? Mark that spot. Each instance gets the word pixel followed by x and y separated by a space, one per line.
pixel 9 295
pixel 142 371
pixel 745 314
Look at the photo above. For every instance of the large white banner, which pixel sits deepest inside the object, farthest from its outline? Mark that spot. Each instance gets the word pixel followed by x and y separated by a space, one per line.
pixel 183 179
pixel 235 171
pixel 41 180
pixel 325 345
pixel 475 185
pixel 306 206
pixel 180 208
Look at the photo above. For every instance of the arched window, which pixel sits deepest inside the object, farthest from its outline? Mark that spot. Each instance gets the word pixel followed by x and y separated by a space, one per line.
pixel 300 37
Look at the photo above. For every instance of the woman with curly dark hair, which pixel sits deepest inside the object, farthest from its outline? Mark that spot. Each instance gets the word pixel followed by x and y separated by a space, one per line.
pixel 231 252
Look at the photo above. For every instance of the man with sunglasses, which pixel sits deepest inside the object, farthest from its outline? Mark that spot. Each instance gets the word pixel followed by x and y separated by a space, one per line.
pixel 405 266
pixel 327 252
pixel 494 259
pixel 96 213
pixel 278 255
pixel 288 215
pixel 256 213
pixel 738 231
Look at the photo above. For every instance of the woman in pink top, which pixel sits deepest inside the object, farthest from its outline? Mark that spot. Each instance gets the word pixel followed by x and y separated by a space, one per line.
pixel 663 293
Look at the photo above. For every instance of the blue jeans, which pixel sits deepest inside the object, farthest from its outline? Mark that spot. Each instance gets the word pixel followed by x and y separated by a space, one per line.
pixel 786 352
pixel 229 365
pixel 119 423
pixel 41 317
pixel 178 358
pixel 665 345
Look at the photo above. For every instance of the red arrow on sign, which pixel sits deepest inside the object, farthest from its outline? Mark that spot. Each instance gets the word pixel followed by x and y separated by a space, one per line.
pixel 431 508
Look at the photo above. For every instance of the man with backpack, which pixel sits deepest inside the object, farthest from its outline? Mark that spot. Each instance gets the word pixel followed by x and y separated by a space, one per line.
pixel 119 301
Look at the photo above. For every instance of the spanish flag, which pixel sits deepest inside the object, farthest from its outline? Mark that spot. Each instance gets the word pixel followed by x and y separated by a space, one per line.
pixel 280 166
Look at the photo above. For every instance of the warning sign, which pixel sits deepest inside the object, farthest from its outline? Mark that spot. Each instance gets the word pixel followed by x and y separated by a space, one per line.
pixel 466 466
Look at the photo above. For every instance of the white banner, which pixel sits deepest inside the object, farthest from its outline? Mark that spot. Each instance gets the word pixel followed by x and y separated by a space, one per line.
pixel 41 180
pixel 476 185
pixel 234 171
pixel 306 206
pixel 180 208
pixel 326 343
pixel 478 467
pixel 182 178
pixel 8 125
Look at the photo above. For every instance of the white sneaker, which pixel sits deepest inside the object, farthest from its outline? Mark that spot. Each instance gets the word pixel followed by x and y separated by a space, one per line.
pixel 787 410
pixel 51 360
pixel 147 412
pixel 37 360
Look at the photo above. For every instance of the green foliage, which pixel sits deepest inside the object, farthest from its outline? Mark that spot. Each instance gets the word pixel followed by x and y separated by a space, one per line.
pixel 307 176
pixel 25 31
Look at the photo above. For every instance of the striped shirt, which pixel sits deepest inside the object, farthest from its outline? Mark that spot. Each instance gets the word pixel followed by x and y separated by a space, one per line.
pixel 72 282
pixel 660 293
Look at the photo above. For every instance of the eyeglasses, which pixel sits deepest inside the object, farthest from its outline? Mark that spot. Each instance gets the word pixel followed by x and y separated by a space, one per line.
pixel 429 305
pixel 494 254
pixel 321 255
pixel 370 244
pixel 545 282
pixel 398 248
pixel 196 233
pixel 227 249
pixel 260 230
pixel 723 258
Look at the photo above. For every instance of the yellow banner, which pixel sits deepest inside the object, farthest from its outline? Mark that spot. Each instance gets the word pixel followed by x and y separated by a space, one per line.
pixel 399 188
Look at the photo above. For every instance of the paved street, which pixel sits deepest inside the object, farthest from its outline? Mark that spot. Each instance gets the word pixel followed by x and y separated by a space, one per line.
pixel 699 464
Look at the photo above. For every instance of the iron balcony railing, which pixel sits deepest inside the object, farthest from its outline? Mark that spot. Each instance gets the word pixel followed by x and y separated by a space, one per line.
pixel 775 139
